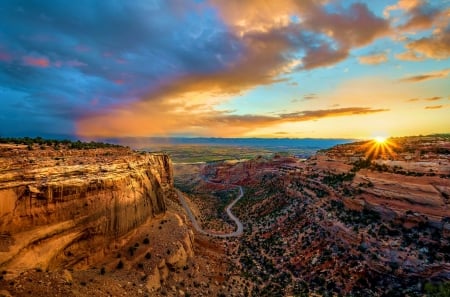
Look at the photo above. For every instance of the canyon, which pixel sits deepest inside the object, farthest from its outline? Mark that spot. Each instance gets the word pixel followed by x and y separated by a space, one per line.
pixel 356 219
pixel 344 222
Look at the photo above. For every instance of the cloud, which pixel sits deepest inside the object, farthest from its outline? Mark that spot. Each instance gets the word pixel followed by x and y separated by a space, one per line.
pixel 36 61
pixel 373 59
pixel 412 100
pixel 421 15
pixel 309 115
pixel 104 66
pixel 402 5
pixel 63 55
pixel 165 119
pixel 436 46
pixel 310 96
pixel 418 14
pixel 426 76
pixel 434 107
pixel 5 56
pixel 268 46
pixel 435 98
pixel 409 56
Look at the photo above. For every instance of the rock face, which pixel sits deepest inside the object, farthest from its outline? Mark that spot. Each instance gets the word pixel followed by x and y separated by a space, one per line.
pixel 65 207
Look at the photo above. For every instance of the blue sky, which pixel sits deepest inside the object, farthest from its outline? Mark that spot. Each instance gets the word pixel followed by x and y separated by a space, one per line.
pixel 225 68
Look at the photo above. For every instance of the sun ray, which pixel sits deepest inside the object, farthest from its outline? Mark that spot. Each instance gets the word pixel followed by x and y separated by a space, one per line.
pixel 380 148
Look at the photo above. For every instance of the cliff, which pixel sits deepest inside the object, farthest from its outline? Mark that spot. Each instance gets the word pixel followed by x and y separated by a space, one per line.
pixel 62 207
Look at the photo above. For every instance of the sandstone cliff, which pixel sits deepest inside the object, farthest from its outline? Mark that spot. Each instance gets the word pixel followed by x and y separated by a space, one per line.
pixel 65 207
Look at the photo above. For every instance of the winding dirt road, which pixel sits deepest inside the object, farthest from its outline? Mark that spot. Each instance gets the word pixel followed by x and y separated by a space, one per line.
pixel 240 227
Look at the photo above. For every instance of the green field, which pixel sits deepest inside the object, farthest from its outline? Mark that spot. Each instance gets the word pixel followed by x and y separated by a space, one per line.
pixel 203 153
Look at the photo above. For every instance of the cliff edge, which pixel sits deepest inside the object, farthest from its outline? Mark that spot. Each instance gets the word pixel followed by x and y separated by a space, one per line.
pixel 64 207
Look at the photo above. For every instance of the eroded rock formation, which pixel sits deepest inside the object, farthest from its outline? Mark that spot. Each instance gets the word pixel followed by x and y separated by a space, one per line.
pixel 65 207
pixel 345 221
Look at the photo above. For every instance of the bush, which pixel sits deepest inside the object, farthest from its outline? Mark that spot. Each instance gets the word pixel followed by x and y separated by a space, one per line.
pixel 438 290
pixel 119 265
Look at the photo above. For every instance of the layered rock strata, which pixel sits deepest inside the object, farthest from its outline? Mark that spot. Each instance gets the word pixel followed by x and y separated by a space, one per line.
pixel 65 207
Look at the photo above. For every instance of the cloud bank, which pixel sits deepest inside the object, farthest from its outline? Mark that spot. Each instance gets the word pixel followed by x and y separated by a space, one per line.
pixel 111 68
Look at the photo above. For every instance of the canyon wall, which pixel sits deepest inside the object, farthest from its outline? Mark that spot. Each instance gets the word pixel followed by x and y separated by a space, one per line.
pixel 65 207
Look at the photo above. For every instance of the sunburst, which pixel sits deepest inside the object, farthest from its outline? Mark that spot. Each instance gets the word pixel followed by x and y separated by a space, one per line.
pixel 380 148
pixel 380 139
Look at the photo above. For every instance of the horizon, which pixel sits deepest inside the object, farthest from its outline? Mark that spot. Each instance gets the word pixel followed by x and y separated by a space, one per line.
pixel 87 139
pixel 225 69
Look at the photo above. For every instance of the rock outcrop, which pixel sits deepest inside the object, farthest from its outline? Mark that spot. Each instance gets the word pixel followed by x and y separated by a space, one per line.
pixel 65 207
pixel 181 250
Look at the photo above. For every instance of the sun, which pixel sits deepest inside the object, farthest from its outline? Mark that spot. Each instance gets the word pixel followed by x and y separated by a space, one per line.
pixel 380 139
pixel 380 147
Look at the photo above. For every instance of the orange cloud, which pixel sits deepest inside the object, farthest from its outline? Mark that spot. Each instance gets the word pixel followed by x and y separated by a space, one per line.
pixel 419 14
pixel 409 56
pixel 402 5
pixel 426 76
pixel 163 119
pixel 309 115
pixel 271 45
pixel 347 29
pixel 435 47
pixel 435 98
pixel 36 61
pixel 434 107
pixel 373 59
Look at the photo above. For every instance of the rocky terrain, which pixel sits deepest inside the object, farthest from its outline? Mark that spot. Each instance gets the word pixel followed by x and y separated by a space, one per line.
pixel 348 221
pixel 357 219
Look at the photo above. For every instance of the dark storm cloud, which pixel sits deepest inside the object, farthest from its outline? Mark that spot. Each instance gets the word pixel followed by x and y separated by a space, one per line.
pixel 67 58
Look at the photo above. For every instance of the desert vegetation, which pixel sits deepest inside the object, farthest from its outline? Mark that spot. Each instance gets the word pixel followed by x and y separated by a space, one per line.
pixel 42 143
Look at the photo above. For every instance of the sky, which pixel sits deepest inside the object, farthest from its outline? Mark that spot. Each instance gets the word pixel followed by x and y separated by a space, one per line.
pixel 224 68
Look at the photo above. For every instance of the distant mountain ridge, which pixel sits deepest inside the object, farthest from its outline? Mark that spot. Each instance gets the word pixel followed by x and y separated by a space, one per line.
pixel 317 143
